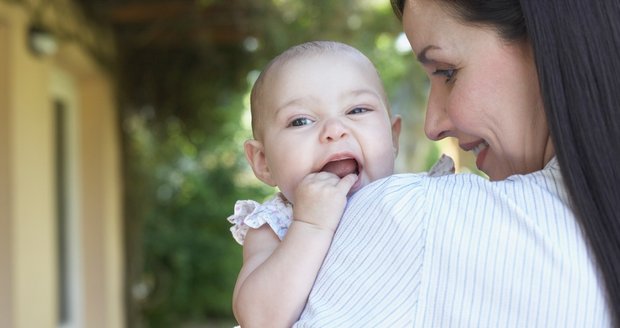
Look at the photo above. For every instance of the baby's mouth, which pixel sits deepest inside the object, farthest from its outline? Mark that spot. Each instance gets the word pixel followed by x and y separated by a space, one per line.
pixel 342 167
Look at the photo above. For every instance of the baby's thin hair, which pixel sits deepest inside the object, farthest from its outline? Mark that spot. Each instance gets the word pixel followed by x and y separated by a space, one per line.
pixel 305 49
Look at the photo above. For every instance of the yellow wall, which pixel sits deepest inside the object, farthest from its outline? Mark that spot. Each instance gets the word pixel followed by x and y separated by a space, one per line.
pixel 101 203
pixel 6 306
pixel 28 229
pixel 33 276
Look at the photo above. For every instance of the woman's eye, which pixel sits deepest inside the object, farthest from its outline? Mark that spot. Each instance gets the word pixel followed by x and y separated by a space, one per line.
pixel 358 110
pixel 300 121
pixel 447 73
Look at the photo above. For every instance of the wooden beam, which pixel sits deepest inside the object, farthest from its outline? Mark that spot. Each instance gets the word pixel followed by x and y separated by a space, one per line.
pixel 144 12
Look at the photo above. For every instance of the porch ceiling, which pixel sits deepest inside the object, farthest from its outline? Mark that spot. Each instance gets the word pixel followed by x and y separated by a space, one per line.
pixel 175 23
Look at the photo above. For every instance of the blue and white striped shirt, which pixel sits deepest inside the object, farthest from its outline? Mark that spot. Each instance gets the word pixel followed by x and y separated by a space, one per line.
pixel 459 251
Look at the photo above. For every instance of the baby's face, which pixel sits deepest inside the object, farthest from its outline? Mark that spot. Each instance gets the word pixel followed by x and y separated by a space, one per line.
pixel 327 113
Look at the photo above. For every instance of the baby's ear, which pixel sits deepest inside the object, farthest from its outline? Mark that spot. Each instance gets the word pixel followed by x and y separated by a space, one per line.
pixel 396 122
pixel 255 154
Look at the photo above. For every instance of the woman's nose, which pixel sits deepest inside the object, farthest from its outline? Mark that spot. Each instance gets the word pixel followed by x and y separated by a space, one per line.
pixel 437 124
pixel 333 130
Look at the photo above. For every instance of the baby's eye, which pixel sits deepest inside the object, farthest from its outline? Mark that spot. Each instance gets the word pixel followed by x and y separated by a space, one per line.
pixel 301 121
pixel 358 110
pixel 448 73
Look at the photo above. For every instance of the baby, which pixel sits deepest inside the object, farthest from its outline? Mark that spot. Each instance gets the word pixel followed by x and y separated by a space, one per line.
pixel 322 130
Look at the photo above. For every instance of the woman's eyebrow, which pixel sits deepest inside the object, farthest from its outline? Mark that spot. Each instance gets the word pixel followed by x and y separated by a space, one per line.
pixel 422 55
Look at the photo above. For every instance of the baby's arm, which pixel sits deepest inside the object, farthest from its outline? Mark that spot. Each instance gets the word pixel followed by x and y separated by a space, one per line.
pixel 276 277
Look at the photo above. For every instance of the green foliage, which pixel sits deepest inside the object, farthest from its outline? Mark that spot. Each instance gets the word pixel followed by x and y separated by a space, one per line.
pixel 190 258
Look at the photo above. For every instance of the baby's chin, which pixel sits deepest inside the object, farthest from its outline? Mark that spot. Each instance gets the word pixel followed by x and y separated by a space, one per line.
pixel 359 184
pixel 363 181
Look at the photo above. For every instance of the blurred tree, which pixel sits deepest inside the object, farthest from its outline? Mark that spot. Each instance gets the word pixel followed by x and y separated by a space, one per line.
pixel 185 69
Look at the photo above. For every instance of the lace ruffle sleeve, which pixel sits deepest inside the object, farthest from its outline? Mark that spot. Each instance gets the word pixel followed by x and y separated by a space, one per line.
pixel 276 212
pixel 443 166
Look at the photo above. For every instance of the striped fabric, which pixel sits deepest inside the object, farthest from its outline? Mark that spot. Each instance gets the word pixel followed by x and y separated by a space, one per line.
pixel 458 251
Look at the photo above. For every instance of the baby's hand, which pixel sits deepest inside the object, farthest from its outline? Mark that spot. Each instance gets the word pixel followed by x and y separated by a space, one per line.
pixel 320 199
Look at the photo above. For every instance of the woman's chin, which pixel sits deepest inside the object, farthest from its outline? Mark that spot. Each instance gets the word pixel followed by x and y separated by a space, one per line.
pixel 487 165
pixel 498 174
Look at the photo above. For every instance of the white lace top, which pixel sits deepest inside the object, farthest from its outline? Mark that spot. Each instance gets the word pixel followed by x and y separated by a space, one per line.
pixel 277 212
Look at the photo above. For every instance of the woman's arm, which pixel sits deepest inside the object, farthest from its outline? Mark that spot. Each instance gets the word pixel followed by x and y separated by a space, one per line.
pixel 276 277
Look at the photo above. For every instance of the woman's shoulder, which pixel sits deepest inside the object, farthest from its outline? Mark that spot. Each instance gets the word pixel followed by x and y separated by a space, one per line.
pixel 395 188
pixel 470 193
pixel 545 183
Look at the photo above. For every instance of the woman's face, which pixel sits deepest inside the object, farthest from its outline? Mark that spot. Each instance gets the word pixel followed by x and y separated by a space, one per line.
pixel 484 91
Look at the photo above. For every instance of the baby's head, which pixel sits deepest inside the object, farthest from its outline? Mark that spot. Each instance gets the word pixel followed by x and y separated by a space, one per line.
pixel 321 106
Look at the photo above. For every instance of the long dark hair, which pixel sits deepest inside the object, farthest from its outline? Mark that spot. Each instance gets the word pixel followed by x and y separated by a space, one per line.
pixel 576 45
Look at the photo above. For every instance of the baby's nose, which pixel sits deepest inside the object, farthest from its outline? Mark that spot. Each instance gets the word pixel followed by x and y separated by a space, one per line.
pixel 333 130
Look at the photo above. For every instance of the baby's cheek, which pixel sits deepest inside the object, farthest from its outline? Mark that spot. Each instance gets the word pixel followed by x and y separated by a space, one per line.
pixel 383 167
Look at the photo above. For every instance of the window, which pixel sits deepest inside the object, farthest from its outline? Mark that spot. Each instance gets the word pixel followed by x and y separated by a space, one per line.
pixel 64 104
pixel 61 195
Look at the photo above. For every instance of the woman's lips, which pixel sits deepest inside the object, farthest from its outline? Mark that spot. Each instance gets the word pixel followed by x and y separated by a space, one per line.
pixel 482 154
pixel 480 151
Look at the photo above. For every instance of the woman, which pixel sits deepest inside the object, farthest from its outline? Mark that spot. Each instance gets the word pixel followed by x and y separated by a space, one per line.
pixel 529 87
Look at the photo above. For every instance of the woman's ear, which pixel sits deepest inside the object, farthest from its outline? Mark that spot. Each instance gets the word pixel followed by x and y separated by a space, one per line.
pixel 255 154
pixel 396 122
